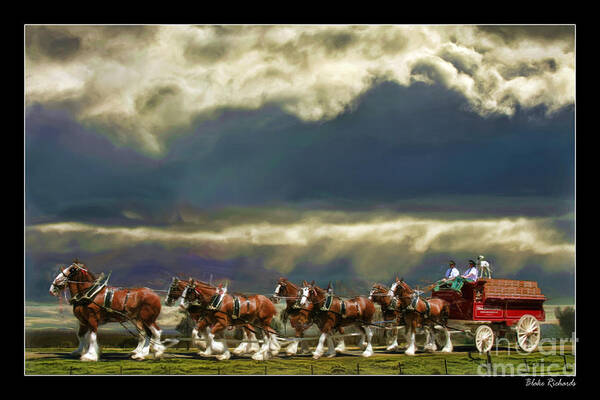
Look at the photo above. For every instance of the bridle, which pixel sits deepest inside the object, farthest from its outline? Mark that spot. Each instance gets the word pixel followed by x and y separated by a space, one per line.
pixel 174 283
pixel 285 285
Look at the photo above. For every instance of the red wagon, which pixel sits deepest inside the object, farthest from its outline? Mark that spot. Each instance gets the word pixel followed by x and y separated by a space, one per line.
pixel 492 308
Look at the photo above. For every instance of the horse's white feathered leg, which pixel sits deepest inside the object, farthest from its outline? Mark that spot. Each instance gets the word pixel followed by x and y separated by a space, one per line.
pixel 330 347
pixel 242 348
pixel 341 346
pixel 83 345
pixel 369 349
pixel 157 347
pixel 394 345
pixel 410 338
pixel 319 350
pixel 93 350
pixel 292 348
pixel 448 346
pixel 274 345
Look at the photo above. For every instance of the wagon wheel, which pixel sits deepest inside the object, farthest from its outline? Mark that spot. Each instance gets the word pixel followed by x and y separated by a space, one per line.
pixel 528 333
pixel 484 338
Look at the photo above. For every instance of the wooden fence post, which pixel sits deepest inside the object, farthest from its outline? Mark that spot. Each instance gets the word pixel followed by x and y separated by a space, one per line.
pixel 489 362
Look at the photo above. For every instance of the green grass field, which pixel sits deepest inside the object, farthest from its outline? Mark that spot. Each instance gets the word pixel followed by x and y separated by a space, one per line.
pixel 54 361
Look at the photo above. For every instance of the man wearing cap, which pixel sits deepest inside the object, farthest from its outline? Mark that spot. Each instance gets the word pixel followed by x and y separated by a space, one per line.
pixel 471 272
pixel 451 272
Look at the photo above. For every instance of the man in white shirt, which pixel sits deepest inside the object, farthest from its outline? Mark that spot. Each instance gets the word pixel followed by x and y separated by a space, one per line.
pixel 471 272
pixel 451 272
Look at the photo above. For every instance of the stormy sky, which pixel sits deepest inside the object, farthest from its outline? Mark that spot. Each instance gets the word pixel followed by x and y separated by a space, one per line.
pixel 344 153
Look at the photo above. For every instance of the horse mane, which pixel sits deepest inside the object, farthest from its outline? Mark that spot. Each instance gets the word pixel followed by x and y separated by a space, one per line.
pixel 85 267
pixel 288 282
pixel 202 283
pixel 381 286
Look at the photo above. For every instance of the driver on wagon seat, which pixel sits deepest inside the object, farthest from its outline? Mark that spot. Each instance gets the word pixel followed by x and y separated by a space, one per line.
pixel 451 272
pixel 471 273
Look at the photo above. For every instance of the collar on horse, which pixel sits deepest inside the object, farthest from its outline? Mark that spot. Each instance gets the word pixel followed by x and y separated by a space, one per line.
pixel 88 295
pixel 215 301
pixel 328 301
pixel 393 306
pixel 417 294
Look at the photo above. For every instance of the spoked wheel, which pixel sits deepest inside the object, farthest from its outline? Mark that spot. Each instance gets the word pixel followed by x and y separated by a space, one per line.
pixel 484 338
pixel 528 333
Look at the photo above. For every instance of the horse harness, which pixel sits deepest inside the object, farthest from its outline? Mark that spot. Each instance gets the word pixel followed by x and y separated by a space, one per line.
pixel 415 296
pixel 88 296
pixel 329 301
pixel 217 300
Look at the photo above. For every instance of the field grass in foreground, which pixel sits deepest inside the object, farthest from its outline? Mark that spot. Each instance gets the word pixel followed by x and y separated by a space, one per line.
pixel 49 361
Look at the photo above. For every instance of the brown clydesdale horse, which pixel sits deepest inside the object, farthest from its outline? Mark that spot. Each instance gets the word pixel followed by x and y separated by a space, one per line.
pixel 390 309
pixel 357 311
pixel 418 314
pixel 141 306
pixel 198 313
pixel 256 311
pixel 300 316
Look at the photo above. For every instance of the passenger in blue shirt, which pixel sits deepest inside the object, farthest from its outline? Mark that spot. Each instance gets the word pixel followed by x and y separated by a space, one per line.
pixel 471 272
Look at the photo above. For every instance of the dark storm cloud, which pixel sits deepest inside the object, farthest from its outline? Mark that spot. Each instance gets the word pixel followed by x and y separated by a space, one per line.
pixel 398 145
pixel 73 174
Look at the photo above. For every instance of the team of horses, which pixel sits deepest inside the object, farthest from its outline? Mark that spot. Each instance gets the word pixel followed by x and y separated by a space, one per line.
pixel 213 310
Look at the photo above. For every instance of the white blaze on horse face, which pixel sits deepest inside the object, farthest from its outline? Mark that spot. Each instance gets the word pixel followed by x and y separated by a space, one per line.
pixel 183 301
pixel 371 294
pixel 59 281
pixel 277 290
pixel 304 296
pixel 392 289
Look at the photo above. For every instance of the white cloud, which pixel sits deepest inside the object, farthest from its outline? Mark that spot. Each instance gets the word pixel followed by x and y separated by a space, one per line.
pixel 140 88
pixel 377 246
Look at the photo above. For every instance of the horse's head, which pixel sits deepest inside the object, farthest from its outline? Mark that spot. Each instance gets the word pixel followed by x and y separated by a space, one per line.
pixel 400 288
pixel 280 289
pixel 189 293
pixel 198 291
pixel 310 293
pixel 175 290
pixel 378 291
pixel 76 272
pixel 396 287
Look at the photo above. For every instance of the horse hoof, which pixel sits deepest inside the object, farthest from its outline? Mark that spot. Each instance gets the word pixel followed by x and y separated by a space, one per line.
pixel 258 357
pixel 224 356
pixel 392 348
pixel 316 356
pixel 367 354
pixel 330 355
pixel 88 358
